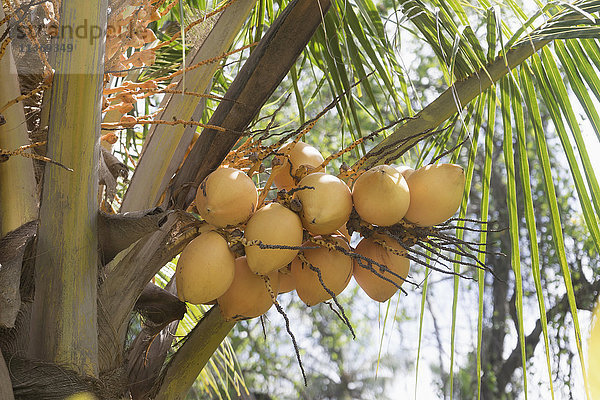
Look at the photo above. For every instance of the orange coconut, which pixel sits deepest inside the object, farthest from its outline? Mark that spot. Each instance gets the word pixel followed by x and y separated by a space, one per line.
pixel 272 225
pixel 406 171
pixel 326 207
pixel 381 195
pixel 286 280
pixel 226 197
pixel 397 266
pixel 334 266
pixel 301 154
pixel 204 269
pixel 247 296
pixel 435 193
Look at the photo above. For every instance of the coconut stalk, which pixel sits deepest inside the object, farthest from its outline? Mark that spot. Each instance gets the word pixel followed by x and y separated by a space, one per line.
pixel 192 356
pixel 165 145
pixel 64 320
pixel 453 100
pixel 18 197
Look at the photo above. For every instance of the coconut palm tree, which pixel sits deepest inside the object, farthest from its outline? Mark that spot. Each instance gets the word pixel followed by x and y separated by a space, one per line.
pixel 77 266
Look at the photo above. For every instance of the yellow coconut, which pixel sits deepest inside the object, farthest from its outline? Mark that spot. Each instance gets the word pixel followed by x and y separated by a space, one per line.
pixel 435 193
pixel 247 296
pixel 301 154
pixel 226 197
pixel 205 269
pixel 381 195
pixel 286 280
pixel 397 266
pixel 272 225
pixel 326 207
pixel 335 268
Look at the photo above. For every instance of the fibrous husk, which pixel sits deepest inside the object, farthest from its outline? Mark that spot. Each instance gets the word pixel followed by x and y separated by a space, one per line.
pixel 110 169
pixel 36 379
pixel 12 249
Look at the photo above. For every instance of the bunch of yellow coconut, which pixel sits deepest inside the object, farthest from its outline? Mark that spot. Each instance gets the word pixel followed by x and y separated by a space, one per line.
pixel 309 250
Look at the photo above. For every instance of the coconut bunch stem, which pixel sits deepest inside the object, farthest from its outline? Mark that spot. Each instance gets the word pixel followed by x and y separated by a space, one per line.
pixel 433 240
pixel 262 152
pixel 341 314
pixel 263 246
pixel 251 151
pixel 360 141
pixel 366 263
pixel 22 151
pixel 287 326
pixel 449 151
pixel 353 172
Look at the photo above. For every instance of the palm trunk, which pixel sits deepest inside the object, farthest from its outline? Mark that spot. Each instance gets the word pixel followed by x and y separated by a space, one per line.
pixel 6 392
pixel 64 322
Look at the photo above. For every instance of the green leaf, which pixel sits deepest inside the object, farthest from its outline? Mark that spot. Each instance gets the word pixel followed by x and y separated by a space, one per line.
pixel 492 33
pixel 550 193
pixel 511 201
pixel 547 74
pixel 358 33
pixel 459 232
pixel 421 314
pixel 525 178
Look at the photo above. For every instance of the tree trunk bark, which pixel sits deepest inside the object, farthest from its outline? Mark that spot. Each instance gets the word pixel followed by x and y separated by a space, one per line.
pixel 493 340
pixel 64 321
pixel 6 392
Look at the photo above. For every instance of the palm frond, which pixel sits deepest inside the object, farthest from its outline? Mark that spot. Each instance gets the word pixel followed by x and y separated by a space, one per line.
pixel 222 376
